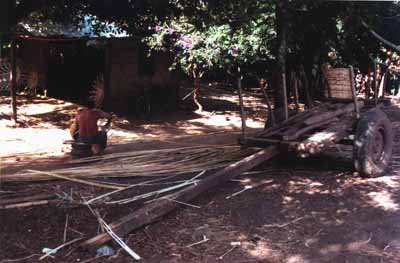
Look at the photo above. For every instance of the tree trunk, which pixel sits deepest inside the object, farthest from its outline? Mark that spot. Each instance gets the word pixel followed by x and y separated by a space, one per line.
pixel 281 23
pixel 13 82
pixel 196 95
pixel 242 110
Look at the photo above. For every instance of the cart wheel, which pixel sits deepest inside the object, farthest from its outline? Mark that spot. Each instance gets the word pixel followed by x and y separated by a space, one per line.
pixel 373 144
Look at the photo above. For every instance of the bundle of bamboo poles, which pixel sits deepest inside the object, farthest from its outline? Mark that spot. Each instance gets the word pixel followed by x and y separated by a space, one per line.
pixel 141 163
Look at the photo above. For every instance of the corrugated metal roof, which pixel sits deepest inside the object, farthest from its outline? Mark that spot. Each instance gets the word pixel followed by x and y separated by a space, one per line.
pixel 83 30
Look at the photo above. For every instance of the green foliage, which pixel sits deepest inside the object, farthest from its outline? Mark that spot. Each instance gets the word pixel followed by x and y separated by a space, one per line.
pixel 200 48
pixel 225 34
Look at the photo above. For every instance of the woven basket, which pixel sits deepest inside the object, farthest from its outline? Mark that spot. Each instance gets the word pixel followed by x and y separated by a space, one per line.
pixel 339 83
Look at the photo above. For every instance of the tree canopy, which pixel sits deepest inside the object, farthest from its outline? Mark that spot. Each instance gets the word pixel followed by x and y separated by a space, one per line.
pixel 212 35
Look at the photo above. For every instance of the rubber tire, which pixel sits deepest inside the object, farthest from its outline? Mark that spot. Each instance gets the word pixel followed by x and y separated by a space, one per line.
pixel 372 122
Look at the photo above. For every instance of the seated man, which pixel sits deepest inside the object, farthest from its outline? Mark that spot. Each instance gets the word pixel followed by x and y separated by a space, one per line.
pixel 85 129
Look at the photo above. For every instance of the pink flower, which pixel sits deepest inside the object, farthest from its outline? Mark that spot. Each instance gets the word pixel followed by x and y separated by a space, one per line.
pixel 185 42
pixel 158 28
pixel 170 31
pixel 234 50
pixel 185 39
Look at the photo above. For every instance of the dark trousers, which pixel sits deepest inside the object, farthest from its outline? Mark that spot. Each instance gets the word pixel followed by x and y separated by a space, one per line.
pixel 100 138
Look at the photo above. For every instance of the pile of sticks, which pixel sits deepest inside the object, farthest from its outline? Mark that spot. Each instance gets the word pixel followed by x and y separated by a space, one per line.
pixel 139 163
pixel 207 167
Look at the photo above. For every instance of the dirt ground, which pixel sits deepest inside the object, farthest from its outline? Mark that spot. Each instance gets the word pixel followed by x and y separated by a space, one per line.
pixel 287 210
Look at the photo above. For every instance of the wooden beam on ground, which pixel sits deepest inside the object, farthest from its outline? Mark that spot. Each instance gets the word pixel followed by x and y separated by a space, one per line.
pixel 151 212
pixel 262 142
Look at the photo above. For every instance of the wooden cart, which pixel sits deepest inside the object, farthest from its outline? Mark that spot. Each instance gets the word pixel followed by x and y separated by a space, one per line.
pixel 341 119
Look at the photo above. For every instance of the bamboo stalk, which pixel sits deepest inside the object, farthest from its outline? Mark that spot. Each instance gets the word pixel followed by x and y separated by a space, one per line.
pixel 103 185
pixel 149 163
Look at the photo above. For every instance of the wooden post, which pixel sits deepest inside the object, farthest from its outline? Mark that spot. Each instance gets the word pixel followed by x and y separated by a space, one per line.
pixel 306 87
pixel 242 110
pixel 376 95
pixel 294 84
pixel 382 86
pixel 285 101
pixel 107 75
pixel 13 82
pixel 353 92
pixel 267 101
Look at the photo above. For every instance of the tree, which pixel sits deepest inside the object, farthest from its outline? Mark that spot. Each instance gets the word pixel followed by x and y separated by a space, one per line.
pixel 222 43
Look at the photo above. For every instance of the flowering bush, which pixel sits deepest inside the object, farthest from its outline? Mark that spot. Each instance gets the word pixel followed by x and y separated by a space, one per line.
pixel 198 50
pixel 216 46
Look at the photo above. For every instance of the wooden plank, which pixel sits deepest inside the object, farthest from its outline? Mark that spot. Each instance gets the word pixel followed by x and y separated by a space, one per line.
pixel 151 212
pixel 332 114
pixel 300 132
pixel 286 124
pixel 319 141
pixel 262 142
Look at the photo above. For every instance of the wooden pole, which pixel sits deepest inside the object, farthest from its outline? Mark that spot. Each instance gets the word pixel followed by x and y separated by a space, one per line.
pixel 13 82
pixel 153 211
pixel 382 85
pixel 380 38
pixel 242 110
pixel 353 92
pixel 267 101
pixel 306 87
pixel 107 75
pixel 285 101
pixel 294 83
pixel 281 23
pixel 376 95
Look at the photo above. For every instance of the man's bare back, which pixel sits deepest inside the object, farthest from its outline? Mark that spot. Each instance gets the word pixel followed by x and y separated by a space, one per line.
pixel 85 129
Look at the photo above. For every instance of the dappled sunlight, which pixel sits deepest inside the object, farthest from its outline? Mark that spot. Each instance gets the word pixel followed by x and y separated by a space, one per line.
pixel 296 259
pixel 261 250
pixel 18 141
pixel 258 248
pixel 384 200
pixel 120 135
pixel 334 248
pixel 43 126
pixel 390 181
pixel 231 121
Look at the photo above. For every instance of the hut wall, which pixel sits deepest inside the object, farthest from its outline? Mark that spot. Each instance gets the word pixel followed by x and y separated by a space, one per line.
pixel 33 64
pixel 138 81
pixel 124 68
